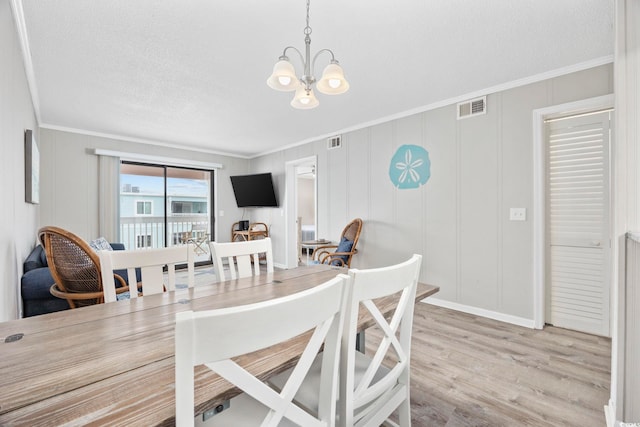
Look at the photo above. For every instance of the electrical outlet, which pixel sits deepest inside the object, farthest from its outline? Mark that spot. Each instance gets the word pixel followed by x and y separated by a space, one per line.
pixel 211 412
pixel 518 214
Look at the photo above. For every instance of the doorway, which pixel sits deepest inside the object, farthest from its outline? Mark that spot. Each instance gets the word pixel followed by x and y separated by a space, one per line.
pixel 301 206
pixel 572 211
pixel 305 205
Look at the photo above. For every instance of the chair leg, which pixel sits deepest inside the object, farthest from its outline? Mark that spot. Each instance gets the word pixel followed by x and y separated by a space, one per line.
pixel 404 412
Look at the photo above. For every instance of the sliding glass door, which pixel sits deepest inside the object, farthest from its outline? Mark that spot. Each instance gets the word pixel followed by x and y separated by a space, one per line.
pixel 165 206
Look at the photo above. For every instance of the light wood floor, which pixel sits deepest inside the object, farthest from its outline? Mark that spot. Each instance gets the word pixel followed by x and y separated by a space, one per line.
pixel 472 371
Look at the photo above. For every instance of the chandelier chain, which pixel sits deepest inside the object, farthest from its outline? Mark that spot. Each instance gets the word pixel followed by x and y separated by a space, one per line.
pixel 307 29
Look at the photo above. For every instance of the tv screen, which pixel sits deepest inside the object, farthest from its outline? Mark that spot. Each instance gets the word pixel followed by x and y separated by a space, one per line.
pixel 254 191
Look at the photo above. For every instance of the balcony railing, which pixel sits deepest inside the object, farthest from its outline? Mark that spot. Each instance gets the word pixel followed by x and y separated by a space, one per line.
pixel 149 231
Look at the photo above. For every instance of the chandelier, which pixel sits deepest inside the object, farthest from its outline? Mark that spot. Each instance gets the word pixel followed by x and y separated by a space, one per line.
pixel 284 76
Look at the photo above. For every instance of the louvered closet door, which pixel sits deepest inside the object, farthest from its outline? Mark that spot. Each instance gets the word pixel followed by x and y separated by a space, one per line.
pixel 578 250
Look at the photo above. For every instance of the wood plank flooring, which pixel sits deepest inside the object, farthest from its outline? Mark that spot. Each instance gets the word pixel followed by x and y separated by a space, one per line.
pixel 473 371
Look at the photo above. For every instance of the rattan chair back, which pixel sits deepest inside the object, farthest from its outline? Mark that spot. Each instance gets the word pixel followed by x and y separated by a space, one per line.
pixel 75 267
pixel 352 231
pixel 327 254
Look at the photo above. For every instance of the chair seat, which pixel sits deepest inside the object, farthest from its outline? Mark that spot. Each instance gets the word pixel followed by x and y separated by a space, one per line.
pixel 306 395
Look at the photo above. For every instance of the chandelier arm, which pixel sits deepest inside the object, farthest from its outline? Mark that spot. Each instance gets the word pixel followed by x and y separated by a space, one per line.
pixel 284 54
pixel 333 58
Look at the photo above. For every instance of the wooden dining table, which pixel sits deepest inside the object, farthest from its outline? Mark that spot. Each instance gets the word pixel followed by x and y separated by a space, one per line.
pixel 113 364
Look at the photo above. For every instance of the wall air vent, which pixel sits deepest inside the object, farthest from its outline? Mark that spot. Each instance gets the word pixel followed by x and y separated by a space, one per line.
pixel 334 142
pixel 472 107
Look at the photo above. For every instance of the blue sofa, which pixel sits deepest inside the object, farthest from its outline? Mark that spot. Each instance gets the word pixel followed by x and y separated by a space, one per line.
pixel 37 280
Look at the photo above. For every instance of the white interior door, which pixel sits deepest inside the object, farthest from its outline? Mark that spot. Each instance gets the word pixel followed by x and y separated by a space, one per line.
pixel 578 223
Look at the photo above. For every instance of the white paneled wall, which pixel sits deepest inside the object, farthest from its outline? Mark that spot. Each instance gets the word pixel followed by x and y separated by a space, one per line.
pixel 459 220
pixel 18 219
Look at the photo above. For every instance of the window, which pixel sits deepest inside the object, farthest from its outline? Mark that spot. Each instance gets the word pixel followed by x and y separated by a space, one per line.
pixel 169 204
pixel 143 207
pixel 188 207
pixel 143 241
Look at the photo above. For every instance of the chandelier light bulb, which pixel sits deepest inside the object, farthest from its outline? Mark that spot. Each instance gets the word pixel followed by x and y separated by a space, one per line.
pixel 283 77
pixel 333 81
pixel 284 80
pixel 304 99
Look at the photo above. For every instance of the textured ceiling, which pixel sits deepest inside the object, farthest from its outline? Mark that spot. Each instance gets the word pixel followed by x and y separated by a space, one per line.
pixel 193 73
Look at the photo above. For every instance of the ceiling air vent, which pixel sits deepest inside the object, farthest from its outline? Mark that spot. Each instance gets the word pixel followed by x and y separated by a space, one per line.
pixel 473 107
pixel 334 142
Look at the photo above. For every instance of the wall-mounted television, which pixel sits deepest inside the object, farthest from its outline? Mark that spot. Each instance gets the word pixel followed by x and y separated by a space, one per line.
pixel 254 191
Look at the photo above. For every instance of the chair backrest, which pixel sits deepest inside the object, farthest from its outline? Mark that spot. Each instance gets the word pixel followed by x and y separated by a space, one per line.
pixel 199 237
pixel 259 227
pixel 271 322
pixel 343 256
pixel 74 266
pixel 244 253
pixel 368 397
pixel 151 263
pixel 352 232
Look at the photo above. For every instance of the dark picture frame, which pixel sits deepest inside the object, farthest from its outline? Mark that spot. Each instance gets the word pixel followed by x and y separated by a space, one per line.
pixel 31 168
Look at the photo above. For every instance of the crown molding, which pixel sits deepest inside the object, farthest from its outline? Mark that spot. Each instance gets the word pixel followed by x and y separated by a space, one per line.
pixel 139 140
pixel 21 27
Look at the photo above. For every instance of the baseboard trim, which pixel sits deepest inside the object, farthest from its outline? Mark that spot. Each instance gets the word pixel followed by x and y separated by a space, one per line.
pixel 610 414
pixel 502 317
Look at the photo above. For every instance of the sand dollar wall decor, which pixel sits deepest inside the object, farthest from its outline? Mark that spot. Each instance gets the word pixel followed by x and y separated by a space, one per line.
pixel 410 167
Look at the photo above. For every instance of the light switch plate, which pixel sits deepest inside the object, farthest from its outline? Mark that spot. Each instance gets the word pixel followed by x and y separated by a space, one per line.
pixel 518 214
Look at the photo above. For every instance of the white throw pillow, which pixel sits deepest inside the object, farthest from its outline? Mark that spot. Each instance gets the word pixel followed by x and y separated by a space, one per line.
pixel 100 244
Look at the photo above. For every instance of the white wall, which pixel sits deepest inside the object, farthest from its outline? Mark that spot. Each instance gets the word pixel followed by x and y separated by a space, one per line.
pixel 69 190
pixel 18 220
pixel 480 167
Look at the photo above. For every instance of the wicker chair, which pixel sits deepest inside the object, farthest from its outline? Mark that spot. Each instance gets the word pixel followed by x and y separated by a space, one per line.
pixel 75 268
pixel 341 253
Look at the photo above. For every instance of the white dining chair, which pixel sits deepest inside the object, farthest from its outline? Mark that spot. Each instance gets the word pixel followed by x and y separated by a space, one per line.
pixel 243 253
pixel 371 391
pixel 248 328
pixel 151 263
